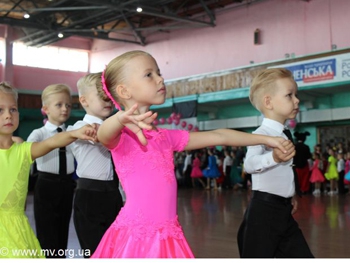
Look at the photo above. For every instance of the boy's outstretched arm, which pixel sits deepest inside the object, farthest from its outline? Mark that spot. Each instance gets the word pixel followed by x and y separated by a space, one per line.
pixel 232 138
pixel 62 139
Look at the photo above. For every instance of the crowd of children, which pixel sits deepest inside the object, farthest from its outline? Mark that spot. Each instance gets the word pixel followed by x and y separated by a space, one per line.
pixel 328 169
pixel 213 168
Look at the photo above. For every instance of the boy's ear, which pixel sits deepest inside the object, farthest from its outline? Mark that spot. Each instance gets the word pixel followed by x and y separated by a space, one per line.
pixel 267 103
pixel 123 92
pixel 45 109
pixel 82 100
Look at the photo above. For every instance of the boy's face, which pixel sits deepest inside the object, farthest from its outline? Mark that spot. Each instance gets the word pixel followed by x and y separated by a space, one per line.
pixel 58 108
pixel 9 115
pixel 95 106
pixel 284 103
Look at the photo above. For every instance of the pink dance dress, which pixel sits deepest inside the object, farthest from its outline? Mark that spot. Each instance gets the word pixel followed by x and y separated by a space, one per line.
pixel 147 226
pixel 196 170
pixel 316 174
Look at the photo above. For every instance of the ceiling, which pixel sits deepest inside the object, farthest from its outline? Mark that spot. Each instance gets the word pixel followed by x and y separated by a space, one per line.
pixel 115 20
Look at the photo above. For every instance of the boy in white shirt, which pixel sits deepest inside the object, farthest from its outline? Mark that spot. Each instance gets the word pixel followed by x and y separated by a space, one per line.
pixel 268 229
pixel 97 199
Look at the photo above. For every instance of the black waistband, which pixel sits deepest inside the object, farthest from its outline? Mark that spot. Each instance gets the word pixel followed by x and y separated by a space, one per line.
pixel 96 185
pixel 55 177
pixel 271 198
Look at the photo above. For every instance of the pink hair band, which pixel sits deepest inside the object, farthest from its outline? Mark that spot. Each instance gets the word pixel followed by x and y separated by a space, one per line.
pixel 105 89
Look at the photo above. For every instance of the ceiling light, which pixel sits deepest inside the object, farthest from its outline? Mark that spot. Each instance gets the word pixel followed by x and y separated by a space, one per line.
pixel 26 16
pixel 139 9
pixel 60 35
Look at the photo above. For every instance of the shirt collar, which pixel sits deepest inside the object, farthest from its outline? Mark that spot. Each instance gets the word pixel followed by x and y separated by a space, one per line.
pixel 92 119
pixel 52 127
pixel 274 125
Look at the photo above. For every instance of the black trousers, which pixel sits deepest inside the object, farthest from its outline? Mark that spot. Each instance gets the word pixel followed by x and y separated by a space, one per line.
pixel 96 205
pixel 53 198
pixel 341 186
pixel 227 179
pixel 269 230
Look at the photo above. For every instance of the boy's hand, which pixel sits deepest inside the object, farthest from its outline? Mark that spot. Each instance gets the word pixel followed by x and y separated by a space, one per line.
pixel 280 156
pixel 137 122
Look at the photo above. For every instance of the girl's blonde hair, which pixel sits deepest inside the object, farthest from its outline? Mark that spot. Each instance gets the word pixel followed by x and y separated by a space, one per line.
pixel 114 73
pixel 264 83
pixel 7 88
pixel 54 89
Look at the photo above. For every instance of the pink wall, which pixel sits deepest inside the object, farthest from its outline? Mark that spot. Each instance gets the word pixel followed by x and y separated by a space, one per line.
pixel 287 26
pixel 36 79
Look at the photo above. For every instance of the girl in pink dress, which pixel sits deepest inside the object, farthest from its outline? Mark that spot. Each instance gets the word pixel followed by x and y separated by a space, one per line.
pixel 147 226
pixel 347 168
pixel 317 176
pixel 196 172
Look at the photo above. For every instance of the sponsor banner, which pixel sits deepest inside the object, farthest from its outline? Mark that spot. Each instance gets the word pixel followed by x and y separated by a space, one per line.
pixel 320 71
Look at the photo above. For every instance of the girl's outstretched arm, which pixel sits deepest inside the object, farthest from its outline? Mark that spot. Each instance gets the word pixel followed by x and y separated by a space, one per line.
pixel 62 139
pixel 228 137
pixel 109 132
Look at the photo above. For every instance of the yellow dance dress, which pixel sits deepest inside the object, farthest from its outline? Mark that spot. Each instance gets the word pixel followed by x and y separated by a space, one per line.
pixel 332 172
pixel 17 239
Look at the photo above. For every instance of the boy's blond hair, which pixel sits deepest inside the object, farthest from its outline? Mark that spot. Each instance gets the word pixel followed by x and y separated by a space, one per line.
pixel 54 89
pixel 7 88
pixel 265 82
pixel 89 81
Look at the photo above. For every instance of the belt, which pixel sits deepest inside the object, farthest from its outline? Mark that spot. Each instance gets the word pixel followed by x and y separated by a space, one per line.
pixel 55 177
pixel 96 185
pixel 271 198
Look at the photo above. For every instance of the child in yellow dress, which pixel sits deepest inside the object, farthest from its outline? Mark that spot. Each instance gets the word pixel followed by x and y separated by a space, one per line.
pixel 332 174
pixel 17 239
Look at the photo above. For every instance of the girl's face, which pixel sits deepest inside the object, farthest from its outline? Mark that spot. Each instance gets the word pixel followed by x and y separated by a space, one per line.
pixel 284 103
pixel 144 83
pixel 331 152
pixel 9 115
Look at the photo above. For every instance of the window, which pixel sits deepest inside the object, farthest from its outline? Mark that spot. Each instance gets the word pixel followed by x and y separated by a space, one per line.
pixel 50 57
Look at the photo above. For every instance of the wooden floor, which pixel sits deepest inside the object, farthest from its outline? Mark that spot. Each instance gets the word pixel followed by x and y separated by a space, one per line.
pixel 210 220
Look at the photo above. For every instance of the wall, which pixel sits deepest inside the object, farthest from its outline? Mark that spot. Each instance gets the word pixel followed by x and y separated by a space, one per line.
pixel 287 27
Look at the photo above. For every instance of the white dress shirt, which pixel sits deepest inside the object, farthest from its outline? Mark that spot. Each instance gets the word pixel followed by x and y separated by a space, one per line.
pixel 188 161
pixel 49 163
pixel 227 162
pixel 267 175
pixel 93 159
pixel 340 165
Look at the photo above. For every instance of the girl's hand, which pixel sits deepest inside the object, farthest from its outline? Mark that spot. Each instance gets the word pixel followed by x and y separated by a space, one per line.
pixel 137 122
pixel 280 156
pixel 276 142
pixel 87 132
